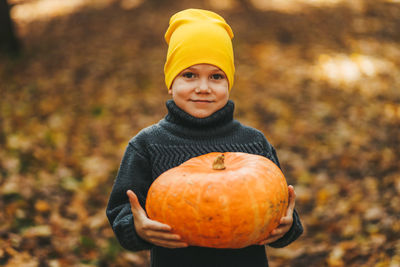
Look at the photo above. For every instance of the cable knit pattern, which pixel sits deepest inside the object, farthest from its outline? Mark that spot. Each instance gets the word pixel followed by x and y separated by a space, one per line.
pixel 164 156
pixel 162 146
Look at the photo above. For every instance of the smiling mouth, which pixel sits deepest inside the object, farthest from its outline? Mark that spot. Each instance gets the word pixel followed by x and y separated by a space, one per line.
pixel 202 101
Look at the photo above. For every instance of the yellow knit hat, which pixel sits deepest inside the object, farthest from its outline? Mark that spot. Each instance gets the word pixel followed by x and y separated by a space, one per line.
pixel 197 36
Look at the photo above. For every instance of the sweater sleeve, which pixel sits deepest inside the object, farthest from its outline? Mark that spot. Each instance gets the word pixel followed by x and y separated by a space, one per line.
pixel 297 228
pixel 134 173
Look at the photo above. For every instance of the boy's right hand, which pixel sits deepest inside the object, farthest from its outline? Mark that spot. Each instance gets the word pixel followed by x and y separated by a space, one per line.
pixel 152 231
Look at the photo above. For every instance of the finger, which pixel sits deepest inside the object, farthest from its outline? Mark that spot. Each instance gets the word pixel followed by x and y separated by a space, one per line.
pixel 168 244
pixel 282 230
pixel 156 226
pixel 275 235
pixel 292 200
pixel 136 208
pixel 270 239
pixel 163 236
pixel 285 221
pixel 292 194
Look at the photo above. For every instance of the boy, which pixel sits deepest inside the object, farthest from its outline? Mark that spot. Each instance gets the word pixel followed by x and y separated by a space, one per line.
pixel 199 73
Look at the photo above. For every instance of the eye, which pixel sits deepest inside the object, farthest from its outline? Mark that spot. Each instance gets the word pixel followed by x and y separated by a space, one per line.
pixel 188 75
pixel 217 76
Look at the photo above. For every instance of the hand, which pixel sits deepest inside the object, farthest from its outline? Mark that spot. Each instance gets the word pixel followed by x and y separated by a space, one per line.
pixel 152 231
pixel 285 222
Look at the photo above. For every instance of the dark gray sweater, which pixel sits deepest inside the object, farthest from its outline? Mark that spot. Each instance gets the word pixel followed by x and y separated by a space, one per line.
pixel 175 139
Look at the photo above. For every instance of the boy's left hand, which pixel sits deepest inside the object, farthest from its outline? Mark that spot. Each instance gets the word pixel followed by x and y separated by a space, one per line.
pixel 285 222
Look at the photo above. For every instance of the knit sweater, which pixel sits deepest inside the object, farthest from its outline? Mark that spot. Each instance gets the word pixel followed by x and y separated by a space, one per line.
pixel 168 143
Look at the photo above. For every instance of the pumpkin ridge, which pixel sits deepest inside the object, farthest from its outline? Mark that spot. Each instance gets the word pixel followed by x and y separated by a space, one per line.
pixel 198 212
pixel 204 232
pixel 263 212
pixel 188 186
pixel 255 207
pixel 164 201
pixel 228 213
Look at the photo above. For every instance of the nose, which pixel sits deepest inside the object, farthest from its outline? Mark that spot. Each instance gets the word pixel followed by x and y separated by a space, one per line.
pixel 203 86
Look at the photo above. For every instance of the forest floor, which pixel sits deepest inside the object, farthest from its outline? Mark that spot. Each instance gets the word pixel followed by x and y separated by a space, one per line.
pixel 320 79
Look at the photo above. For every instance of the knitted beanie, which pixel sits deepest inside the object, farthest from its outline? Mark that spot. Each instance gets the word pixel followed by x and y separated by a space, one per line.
pixel 197 36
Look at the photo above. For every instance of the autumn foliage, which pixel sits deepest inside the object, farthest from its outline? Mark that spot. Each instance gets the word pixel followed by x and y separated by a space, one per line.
pixel 319 78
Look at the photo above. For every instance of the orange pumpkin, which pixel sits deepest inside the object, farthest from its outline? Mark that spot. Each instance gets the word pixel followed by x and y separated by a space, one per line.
pixel 228 200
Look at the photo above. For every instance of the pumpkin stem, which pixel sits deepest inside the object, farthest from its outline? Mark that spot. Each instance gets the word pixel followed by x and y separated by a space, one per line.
pixel 218 163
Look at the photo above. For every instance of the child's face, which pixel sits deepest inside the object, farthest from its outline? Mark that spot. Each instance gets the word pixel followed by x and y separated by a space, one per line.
pixel 200 90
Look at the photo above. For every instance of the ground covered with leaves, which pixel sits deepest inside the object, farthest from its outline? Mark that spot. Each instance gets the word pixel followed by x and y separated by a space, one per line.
pixel 320 79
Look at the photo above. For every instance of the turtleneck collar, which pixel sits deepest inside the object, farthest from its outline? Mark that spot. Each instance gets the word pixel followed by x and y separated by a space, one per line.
pixel 219 118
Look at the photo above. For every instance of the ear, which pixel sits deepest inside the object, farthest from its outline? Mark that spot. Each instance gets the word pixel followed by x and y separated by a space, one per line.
pixel 170 91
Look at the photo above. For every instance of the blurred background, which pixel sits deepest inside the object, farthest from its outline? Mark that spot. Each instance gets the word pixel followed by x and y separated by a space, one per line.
pixel 79 78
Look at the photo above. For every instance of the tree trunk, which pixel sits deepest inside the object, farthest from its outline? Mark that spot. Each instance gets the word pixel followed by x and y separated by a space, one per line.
pixel 8 40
